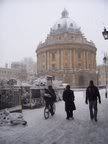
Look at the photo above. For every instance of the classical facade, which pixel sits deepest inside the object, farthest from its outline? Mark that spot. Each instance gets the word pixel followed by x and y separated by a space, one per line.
pixel 8 73
pixel 66 54
pixel 17 71
pixel 102 75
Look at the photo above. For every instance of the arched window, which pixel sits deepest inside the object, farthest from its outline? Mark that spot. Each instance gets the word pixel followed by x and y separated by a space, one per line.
pixel 59 25
pixel 79 54
pixel 71 24
pixel 59 37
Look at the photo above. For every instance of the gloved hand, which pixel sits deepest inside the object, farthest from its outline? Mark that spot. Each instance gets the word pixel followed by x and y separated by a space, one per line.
pixel 86 102
pixel 100 101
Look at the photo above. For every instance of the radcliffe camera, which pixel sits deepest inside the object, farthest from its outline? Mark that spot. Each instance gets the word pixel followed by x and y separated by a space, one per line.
pixel 53 72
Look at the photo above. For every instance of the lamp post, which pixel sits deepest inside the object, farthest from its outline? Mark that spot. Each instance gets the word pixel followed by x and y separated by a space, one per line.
pixel 105 35
pixel 105 61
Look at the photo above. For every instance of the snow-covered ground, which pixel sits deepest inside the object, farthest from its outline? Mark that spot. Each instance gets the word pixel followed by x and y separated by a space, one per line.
pixel 58 130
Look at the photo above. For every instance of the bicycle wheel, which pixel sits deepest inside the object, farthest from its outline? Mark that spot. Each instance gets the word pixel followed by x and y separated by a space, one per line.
pixel 46 113
pixel 54 108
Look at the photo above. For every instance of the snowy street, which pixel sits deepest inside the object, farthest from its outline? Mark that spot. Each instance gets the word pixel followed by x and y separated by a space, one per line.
pixel 58 130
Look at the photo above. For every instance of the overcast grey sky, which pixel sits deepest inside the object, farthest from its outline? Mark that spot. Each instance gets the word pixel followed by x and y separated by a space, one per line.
pixel 24 23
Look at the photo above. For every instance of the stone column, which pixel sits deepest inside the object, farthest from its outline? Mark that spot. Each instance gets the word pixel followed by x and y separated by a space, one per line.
pixel 94 58
pixel 70 58
pixel 40 61
pixel 75 64
pixel 47 60
pixel 92 61
pixel 84 60
pixel 37 63
pixel 50 61
pixel 62 59
pixel 59 59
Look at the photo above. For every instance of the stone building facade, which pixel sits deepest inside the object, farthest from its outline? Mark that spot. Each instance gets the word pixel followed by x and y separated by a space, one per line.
pixel 16 71
pixel 102 75
pixel 66 54
pixel 8 73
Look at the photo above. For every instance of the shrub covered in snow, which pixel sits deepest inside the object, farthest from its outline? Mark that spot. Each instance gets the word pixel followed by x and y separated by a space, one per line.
pixel 7 118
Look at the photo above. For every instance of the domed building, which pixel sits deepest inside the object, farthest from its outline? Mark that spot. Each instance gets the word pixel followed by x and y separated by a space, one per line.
pixel 66 54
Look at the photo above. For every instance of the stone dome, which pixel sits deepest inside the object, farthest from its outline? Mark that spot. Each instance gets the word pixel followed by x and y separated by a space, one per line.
pixel 66 54
pixel 64 24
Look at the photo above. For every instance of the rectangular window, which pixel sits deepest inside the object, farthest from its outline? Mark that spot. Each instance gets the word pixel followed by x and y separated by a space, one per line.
pixel 53 66
pixel 79 55
pixel 53 56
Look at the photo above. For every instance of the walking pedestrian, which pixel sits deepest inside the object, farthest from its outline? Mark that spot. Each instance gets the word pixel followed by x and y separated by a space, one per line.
pixel 68 97
pixel 92 95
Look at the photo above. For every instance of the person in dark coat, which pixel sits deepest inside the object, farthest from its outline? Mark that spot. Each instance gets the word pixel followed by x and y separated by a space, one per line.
pixel 68 97
pixel 50 98
pixel 92 95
